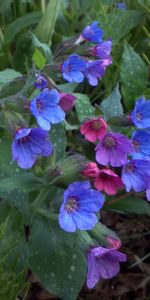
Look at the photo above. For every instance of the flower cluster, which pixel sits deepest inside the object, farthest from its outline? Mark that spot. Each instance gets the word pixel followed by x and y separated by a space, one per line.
pixel 76 67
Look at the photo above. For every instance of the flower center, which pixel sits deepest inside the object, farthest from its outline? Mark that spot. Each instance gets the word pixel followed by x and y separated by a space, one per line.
pixel 109 142
pixel 138 116
pixel 129 167
pixel 136 145
pixel 38 104
pixel 72 204
pixel 96 125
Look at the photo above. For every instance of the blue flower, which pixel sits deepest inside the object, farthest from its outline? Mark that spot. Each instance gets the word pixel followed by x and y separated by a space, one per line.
pixel 93 33
pixel 135 174
pixel 79 207
pixel 46 109
pixel 140 116
pixel 40 82
pixel 28 144
pixel 141 143
pixel 73 67
pixel 95 70
pixel 122 5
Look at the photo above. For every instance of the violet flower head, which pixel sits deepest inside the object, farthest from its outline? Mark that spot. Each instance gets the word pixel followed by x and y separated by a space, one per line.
pixel 141 143
pixel 67 101
pixel 140 116
pixel 73 67
pixel 121 5
pixel 28 145
pixel 92 33
pixel 40 82
pixel 113 149
pixel 79 207
pixel 136 174
pixel 103 263
pixel 102 50
pixel 46 109
pixel 95 70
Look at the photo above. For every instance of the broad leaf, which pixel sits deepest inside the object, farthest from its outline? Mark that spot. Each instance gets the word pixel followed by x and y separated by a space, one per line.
pixel 38 59
pixel 45 28
pixel 83 106
pixel 134 75
pixel 8 75
pixel 55 259
pixel 112 106
pixel 130 204
pixel 58 139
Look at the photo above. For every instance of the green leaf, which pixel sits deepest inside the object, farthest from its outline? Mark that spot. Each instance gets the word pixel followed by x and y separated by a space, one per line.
pixel 12 87
pixel 119 23
pixel 112 106
pixel 67 87
pixel 24 182
pixel 44 48
pixel 83 106
pixel 130 204
pixel 8 75
pixel 56 260
pixel 21 23
pixel 45 28
pixel 134 75
pixel 38 59
pixel 58 139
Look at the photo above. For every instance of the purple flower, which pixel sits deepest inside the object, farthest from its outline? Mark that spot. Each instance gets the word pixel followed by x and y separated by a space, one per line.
pixel 79 207
pixel 141 143
pixel 103 263
pixel 67 101
pixel 40 82
pixel 92 33
pixel 28 144
pixel 46 109
pixel 148 191
pixel 135 174
pixel 113 149
pixel 140 116
pixel 102 50
pixel 95 70
pixel 73 67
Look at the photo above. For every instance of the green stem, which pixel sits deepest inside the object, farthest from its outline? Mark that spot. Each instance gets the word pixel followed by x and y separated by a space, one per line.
pixel 47 214
pixel 43 6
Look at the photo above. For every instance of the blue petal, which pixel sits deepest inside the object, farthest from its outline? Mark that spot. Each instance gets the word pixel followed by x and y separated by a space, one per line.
pixel 22 153
pixel 91 200
pixel 66 222
pixel 84 220
pixel 43 123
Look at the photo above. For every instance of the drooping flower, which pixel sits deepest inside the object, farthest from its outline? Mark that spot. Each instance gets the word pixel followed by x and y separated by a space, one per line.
pixel 102 50
pixel 91 170
pixel 73 67
pixel 103 263
pixel 140 116
pixel 94 129
pixel 92 33
pixel 79 207
pixel 67 101
pixel 40 82
pixel 95 70
pixel 141 143
pixel 135 174
pixel 46 109
pixel 113 149
pixel 108 181
pixel 28 145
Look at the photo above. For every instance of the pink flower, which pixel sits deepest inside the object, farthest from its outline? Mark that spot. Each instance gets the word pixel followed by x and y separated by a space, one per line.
pixel 113 243
pixel 67 101
pixel 91 170
pixel 94 129
pixel 108 181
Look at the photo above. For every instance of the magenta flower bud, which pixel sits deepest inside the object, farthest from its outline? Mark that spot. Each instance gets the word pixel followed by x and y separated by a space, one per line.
pixel 91 170
pixel 94 129
pixel 113 243
pixel 67 101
